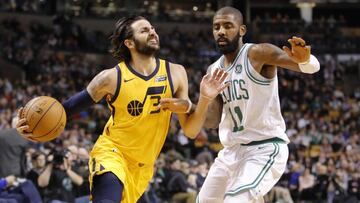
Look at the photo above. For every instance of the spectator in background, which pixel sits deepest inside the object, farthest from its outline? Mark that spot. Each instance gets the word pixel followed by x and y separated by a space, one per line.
pixel 322 183
pixel 38 160
pixel 12 152
pixel 306 184
pixel 354 186
pixel 178 185
pixel 294 180
pixel 15 190
pixel 279 195
pixel 59 178
pixel 79 158
pixel 4 183
pixel 202 172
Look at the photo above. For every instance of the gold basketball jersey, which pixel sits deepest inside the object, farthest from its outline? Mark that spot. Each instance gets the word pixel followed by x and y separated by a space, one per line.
pixel 137 128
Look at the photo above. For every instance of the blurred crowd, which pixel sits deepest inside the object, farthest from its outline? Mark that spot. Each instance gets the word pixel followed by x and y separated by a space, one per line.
pixel 328 34
pixel 321 114
pixel 166 11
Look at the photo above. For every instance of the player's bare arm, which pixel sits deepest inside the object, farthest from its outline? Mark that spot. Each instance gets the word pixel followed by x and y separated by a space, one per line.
pixel 213 115
pixel 265 57
pixel 209 88
pixel 103 84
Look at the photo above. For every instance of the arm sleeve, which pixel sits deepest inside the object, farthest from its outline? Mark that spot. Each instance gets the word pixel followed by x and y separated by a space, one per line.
pixel 77 102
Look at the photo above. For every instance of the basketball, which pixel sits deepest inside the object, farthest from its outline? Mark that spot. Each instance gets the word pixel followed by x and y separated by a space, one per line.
pixel 46 118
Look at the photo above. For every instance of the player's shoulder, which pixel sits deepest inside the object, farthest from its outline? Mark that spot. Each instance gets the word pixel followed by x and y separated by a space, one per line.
pixel 112 71
pixel 176 66
pixel 259 48
pixel 109 74
pixel 108 71
pixel 176 69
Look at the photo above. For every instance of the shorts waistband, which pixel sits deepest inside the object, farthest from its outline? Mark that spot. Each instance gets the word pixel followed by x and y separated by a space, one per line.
pixel 271 140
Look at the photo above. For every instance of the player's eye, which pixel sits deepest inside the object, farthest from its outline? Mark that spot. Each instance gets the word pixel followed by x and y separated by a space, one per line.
pixel 228 26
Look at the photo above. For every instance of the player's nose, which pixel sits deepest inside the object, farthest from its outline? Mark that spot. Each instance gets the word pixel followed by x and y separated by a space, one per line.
pixel 152 32
pixel 221 31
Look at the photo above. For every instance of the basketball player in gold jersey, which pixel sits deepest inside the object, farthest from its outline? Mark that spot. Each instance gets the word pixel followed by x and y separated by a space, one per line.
pixel 122 160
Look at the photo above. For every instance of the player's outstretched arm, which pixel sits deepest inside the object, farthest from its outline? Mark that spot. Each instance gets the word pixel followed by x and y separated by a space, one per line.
pixel 102 84
pixel 297 58
pixel 210 87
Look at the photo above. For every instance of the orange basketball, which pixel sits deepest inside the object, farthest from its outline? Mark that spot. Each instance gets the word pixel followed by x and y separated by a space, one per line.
pixel 46 118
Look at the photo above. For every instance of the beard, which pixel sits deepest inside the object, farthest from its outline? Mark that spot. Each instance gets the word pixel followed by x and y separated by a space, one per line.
pixel 145 48
pixel 230 46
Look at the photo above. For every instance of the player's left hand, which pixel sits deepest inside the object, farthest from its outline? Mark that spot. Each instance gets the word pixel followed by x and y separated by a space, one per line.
pixel 21 126
pixel 300 52
pixel 175 105
pixel 212 85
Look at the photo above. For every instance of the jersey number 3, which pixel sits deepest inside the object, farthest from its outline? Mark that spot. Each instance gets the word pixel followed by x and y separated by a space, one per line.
pixel 157 102
pixel 237 119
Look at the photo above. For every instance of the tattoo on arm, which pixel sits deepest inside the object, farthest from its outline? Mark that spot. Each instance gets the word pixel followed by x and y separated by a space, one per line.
pixel 97 87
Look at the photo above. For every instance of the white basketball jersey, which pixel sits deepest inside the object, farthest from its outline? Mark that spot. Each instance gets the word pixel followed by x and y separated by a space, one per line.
pixel 251 107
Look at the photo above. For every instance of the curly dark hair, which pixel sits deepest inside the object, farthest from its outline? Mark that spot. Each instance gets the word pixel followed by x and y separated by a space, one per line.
pixel 122 32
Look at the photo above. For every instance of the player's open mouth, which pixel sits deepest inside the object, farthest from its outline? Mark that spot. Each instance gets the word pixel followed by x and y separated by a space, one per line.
pixel 153 41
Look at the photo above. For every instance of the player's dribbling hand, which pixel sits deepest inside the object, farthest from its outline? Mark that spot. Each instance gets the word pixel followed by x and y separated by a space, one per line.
pixel 300 52
pixel 21 126
pixel 212 85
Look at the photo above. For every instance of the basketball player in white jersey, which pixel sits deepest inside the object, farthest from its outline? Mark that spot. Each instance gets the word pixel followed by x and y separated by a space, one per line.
pixel 247 112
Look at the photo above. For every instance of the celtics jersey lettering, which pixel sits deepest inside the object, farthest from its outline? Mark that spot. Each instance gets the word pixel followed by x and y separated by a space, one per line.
pixel 137 128
pixel 251 110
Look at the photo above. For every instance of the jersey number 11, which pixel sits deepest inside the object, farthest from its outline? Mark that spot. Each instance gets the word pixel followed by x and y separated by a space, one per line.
pixel 237 119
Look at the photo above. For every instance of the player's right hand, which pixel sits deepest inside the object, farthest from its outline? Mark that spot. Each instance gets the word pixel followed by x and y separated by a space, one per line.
pixel 21 126
pixel 212 85
pixel 175 105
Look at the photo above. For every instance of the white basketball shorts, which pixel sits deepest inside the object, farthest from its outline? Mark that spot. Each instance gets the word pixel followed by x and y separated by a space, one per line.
pixel 242 174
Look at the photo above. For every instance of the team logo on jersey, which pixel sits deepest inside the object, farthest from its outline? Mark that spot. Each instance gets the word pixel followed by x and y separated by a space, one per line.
pixel 160 78
pixel 135 107
pixel 238 68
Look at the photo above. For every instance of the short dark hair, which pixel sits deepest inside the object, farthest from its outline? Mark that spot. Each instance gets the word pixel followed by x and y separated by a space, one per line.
pixel 122 32
pixel 232 11
pixel 35 155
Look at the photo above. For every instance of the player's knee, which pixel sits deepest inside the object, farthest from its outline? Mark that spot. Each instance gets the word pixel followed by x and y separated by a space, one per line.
pixel 247 196
pixel 206 198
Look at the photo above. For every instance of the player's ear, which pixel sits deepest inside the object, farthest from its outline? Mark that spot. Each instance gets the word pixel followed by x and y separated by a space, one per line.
pixel 242 30
pixel 129 43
